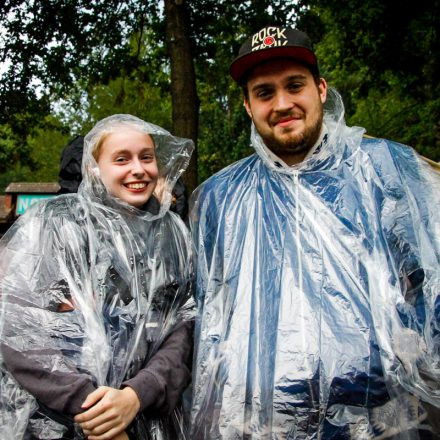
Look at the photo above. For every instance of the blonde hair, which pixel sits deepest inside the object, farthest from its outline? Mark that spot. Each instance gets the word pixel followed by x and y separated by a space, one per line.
pixel 96 148
pixel 162 188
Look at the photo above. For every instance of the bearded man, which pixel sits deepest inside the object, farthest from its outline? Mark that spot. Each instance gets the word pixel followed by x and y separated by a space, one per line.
pixel 318 269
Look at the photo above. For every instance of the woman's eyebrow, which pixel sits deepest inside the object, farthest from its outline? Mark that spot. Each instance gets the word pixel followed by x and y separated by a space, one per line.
pixel 120 151
pixel 123 150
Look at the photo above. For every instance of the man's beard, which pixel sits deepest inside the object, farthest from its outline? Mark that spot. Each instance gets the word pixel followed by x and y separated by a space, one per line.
pixel 295 143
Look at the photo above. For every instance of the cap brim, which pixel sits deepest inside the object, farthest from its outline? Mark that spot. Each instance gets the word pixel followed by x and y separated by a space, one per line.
pixel 244 63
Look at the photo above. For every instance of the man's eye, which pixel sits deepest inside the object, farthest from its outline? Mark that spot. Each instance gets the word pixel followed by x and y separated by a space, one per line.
pixel 120 159
pixel 147 157
pixel 264 94
pixel 294 86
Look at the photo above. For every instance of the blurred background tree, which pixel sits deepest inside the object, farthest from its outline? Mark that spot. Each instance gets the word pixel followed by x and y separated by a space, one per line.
pixel 383 59
pixel 67 63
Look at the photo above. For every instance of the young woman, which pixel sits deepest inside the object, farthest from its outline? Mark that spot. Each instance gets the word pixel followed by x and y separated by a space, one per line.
pixel 96 298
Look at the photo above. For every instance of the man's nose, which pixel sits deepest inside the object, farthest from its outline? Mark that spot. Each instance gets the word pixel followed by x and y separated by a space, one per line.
pixel 283 101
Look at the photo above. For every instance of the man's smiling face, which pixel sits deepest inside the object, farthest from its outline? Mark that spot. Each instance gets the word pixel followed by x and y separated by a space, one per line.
pixel 286 106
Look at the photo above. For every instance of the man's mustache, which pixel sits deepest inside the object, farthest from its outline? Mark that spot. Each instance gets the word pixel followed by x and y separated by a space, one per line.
pixel 291 115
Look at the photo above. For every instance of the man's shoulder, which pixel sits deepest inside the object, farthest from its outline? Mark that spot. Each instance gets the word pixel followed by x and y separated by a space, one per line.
pixel 397 150
pixel 382 150
pixel 221 186
pixel 377 142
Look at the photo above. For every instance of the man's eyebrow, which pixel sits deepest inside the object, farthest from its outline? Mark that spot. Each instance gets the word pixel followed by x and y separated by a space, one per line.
pixel 265 85
pixel 259 86
pixel 297 77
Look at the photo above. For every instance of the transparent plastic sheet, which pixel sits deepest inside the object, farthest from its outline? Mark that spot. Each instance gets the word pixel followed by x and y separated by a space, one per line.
pixel 90 289
pixel 318 294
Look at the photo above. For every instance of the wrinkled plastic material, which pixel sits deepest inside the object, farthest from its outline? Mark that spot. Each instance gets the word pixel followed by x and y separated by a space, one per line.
pixel 318 293
pixel 91 285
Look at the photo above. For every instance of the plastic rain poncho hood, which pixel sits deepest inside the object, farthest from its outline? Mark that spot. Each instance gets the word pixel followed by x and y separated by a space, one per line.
pixel 317 290
pixel 90 289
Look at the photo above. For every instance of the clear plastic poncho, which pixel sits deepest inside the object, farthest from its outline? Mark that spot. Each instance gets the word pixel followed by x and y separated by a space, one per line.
pixel 92 289
pixel 318 293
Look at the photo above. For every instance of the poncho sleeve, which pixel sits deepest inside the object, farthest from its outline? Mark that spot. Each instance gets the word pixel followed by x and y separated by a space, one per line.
pixel 411 316
pixel 43 331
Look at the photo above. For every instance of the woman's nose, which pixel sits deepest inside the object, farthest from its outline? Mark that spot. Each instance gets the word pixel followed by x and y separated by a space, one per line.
pixel 137 168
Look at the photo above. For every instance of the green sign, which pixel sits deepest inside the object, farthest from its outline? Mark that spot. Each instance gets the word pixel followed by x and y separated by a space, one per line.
pixel 24 201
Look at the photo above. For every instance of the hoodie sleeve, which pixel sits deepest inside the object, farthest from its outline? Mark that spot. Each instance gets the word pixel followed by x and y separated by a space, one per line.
pixel 59 391
pixel 161 382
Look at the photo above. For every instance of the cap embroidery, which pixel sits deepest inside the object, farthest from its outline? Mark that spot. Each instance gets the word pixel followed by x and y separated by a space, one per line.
pixel 268 41
pixel 269 37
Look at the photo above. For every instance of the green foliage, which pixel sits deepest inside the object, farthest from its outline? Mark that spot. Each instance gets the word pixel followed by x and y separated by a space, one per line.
pixel 51 44
pixel 68 63
pixel 224 130
pixel 44 145
pixel 218 29
pixel 124 95
pixel 387 114
pixel 64 59
pixel 142 92
pixel 13 148
pixel 7 146
pixel 386 68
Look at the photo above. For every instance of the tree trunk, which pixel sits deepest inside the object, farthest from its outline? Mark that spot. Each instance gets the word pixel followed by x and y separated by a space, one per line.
pixel 185 101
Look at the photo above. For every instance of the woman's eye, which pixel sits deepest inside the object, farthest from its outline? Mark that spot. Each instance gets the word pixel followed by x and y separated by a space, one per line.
pixel 120 159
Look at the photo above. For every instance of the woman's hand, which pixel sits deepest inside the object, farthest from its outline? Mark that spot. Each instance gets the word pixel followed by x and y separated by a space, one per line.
pixel 109 412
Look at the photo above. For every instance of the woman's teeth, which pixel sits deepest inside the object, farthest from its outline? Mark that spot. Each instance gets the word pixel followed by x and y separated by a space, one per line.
pixel 136 185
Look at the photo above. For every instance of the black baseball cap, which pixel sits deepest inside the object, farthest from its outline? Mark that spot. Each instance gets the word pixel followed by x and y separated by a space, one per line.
pixel 273 42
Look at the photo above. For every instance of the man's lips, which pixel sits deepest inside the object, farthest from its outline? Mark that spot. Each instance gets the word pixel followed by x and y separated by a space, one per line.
pixel 282 122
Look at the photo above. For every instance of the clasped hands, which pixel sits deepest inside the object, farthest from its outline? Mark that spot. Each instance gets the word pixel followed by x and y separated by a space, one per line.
pixel 108 412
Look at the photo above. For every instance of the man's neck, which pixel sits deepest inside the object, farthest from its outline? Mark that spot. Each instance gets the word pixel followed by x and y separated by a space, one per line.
pixel 293 159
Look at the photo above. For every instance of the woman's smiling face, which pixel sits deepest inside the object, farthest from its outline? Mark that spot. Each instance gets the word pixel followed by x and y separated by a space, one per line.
pixel 127 165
